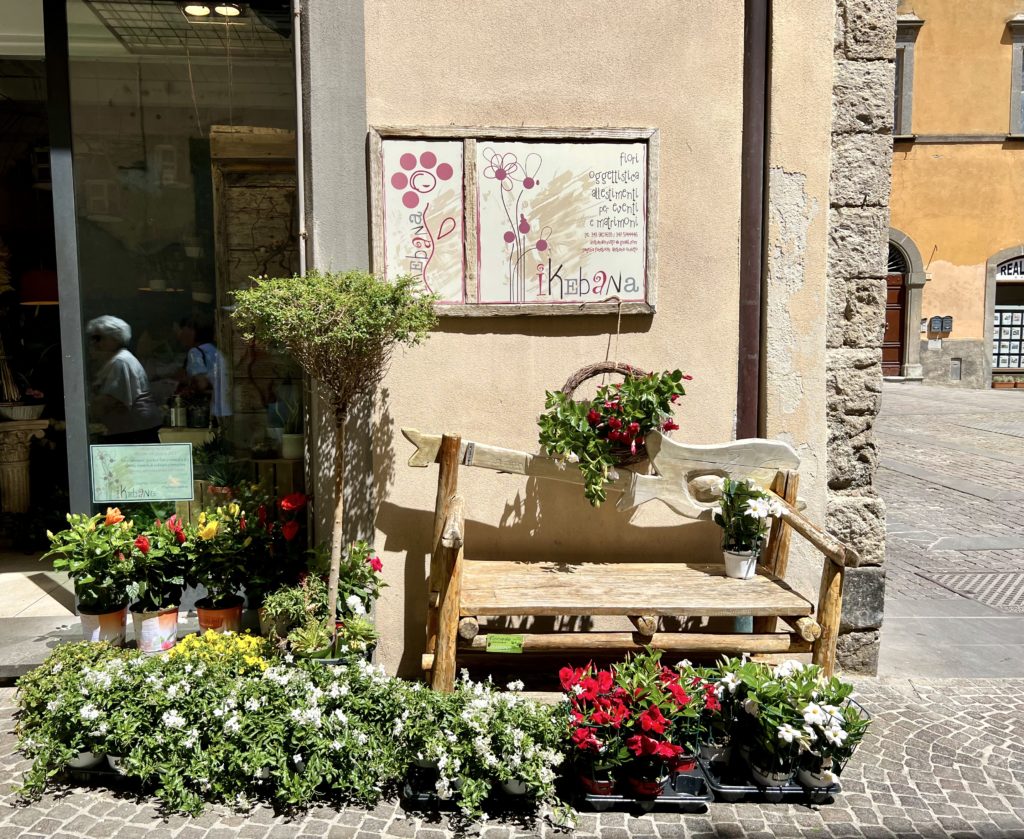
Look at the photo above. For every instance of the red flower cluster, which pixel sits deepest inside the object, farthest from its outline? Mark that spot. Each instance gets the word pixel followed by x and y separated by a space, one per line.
pixel 635 710
pixel 142 543
pixel 375 563
pixel 291 503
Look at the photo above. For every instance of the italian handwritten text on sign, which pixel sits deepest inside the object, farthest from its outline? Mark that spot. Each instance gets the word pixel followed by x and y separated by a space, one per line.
pixel 141 472
pixel 423 214
pixel 561 222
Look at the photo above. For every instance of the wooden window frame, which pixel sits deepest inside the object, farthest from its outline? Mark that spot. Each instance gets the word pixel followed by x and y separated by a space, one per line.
pixel 470 137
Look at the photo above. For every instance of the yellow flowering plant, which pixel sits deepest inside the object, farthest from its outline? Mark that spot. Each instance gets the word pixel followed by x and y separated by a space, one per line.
pixel 218 543
pixel 236 653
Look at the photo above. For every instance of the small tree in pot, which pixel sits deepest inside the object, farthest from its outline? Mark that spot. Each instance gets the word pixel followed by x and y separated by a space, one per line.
pixel 342 329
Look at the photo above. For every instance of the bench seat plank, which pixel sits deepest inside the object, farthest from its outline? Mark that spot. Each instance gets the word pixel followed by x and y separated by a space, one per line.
pixel 502 587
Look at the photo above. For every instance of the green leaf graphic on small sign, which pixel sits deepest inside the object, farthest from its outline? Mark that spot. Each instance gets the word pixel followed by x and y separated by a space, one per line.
pixel 504 643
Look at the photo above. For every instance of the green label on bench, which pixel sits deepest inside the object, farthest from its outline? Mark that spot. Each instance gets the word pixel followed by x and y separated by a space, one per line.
pixel 504 643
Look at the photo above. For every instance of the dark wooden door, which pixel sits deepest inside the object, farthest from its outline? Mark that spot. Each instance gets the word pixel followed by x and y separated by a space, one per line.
pixel 895 326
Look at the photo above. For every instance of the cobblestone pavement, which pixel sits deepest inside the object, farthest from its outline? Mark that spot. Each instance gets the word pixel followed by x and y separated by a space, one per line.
pixel 950 473
pixel 943 758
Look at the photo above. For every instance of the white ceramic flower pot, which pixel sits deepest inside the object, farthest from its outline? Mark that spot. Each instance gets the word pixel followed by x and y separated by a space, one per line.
pixel 109 626
pixel 816 777
pixel 115 763
pixel 513 787
pixel 86 760
pixel 740 565
pixel 716 752
pixel 291 446
pixel 156 631
pixel 770 778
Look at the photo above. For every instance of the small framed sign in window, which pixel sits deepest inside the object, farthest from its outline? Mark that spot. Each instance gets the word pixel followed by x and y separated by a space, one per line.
pixel 518 221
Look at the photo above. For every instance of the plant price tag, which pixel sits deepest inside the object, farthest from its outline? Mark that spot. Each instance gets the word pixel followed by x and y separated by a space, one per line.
pixel 504 643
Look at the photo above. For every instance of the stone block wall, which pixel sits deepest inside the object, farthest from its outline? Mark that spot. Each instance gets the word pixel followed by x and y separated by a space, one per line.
pixel 862 113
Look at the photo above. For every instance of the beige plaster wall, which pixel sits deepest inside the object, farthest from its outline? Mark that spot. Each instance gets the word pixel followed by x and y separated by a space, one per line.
pixel 674 66
pixel 798 185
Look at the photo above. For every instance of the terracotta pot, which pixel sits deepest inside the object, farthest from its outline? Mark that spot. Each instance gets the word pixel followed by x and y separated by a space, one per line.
pixel 156 631
pixel 224 619
pixel 109 626
pixel 1003 385
pixel 740 565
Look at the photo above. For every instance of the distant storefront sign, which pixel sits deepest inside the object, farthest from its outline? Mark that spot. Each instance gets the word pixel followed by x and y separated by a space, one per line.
pixel 1012 269
pixel 141 472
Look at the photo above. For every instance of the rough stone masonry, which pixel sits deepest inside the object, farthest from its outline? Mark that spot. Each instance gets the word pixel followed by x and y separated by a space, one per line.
pixel 862 109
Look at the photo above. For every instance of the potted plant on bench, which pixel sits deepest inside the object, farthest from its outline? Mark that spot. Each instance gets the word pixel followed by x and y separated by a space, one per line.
pixel 743 515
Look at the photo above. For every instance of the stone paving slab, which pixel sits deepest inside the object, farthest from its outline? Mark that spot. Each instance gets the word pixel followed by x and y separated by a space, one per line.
pixel 943 758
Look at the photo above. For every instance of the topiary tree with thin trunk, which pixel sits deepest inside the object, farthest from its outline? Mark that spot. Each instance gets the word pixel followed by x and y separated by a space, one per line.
pixel 342 329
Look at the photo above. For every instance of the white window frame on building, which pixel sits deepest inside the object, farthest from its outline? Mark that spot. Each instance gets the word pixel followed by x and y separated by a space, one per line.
pixel 907 27
pixel 1016 26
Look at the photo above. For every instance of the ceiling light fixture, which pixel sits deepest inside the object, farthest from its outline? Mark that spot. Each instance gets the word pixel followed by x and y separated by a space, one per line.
pixel 228 9
pixel 195 9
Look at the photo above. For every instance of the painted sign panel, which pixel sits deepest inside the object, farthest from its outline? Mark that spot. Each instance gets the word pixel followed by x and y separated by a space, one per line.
pixel 561 222
pixel 423 213
pixel 141 472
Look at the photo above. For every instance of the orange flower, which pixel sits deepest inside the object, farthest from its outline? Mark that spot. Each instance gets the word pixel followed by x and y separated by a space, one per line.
pixel 113 516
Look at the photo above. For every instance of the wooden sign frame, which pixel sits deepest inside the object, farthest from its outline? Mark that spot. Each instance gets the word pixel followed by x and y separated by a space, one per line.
pixel 470 137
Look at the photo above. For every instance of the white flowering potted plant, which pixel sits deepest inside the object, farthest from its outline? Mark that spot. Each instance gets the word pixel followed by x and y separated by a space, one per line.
pixel 98 553
pixel 724 693
pixel 833 725
pixel 774 730
pixel 743 514
pixel 58 724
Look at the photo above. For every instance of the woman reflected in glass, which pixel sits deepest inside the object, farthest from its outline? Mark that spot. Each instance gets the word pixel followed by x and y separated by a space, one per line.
pixel 120 398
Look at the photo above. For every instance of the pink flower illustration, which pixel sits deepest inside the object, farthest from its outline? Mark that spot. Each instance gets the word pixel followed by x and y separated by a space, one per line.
pixel 502 168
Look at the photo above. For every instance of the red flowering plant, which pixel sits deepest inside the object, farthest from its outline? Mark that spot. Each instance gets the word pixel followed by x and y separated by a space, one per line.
pixel 662 731
pixel 598 712
pixel 595 435
pixel 161 563
pixel 359 579
pixel 98 553
pixel 277 544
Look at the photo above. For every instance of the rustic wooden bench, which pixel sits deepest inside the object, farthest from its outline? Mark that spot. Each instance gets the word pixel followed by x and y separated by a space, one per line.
pixel 462 589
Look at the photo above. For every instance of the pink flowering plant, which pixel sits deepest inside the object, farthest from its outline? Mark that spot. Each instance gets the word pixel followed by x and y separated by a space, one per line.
pixel 596 435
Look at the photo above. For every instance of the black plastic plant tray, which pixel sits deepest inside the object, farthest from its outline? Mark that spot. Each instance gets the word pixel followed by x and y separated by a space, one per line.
pixel 732 783
pixel 687 790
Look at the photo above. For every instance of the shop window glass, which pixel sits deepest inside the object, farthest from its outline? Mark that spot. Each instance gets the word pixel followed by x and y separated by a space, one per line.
pixel 179 202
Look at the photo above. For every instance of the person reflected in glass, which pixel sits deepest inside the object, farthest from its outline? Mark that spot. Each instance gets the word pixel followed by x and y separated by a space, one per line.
pixel 206 370
pixel 120 399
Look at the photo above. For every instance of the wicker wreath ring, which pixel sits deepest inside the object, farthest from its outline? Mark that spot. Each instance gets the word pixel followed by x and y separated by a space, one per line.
pixel 623 455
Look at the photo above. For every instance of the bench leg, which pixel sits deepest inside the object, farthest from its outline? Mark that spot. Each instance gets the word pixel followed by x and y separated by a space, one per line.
pixel 830 612
pixel 443 674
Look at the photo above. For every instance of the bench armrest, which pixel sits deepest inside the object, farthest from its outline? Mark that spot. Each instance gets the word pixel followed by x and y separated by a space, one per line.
pixel 454 524
pixel 840 554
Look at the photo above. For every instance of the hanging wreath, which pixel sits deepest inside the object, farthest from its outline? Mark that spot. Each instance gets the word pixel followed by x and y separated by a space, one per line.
pixel 609 430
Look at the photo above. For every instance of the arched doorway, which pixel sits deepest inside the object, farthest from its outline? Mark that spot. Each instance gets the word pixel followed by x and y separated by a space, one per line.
pixel 895 339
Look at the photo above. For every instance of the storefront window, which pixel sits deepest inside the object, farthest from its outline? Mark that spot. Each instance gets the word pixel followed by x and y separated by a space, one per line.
pixel 185 187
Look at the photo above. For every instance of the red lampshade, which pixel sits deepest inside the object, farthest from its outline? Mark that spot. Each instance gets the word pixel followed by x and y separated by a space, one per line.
pixel 38 288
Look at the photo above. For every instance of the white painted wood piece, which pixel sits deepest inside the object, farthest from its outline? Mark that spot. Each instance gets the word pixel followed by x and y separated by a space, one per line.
pixel 688 479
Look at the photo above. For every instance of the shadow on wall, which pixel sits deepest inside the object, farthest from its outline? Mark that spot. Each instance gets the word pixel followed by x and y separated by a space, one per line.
pixel 545 521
